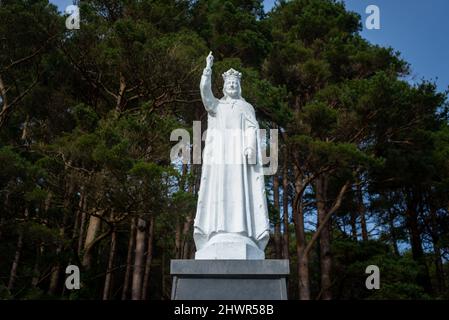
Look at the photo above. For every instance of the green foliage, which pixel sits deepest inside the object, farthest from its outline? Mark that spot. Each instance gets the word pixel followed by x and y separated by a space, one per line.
pixel 233 29
pixel 12 165
pixel 37 233
pixel 86 117
pixel 321 154
pixel 4 293
pixel 146 171
pixel 397 274
pixel 320 119
pixel 36 195
pixel 90 138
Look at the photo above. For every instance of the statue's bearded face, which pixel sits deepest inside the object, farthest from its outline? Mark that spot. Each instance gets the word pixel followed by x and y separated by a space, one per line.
pixel 232 87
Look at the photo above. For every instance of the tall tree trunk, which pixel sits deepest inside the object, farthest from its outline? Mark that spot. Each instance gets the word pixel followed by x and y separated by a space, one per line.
pixel 76 227
pixel 82 225
pixel 55 274
pixel 423 277
pixel 109 271
pixel 361 209
pixel 138 270
pixel 129 258
pixel 25 132
pixel 15 263
pixel 178 231
pixel 180 220
pixel 92 230
pixel 186 237
pixel 277 222
pixel 394 240
pixel 192 251
pixel 2 222
pixel 354 226
pixel 440 274
pixel 56 270
pixel 188 224
pixel 303 260
pixel 36 273
pixel 149 259
pixel 439 269
pixel 323 223
pixel 325 240
pixel 163 284
pixel 2 218
pixel 285 240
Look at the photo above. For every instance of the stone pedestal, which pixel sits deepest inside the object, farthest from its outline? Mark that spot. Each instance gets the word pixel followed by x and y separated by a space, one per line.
pixel 229 279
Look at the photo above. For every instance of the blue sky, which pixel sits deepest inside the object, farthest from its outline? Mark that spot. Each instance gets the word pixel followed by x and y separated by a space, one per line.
pixel 419 29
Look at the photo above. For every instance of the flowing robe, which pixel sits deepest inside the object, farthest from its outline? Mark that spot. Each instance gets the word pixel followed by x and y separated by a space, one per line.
pixel 232 195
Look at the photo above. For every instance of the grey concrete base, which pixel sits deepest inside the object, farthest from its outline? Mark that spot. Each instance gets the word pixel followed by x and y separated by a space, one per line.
pixel 229 279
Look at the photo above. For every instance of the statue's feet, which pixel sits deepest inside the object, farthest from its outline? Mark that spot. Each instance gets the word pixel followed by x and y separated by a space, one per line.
pixel 230 246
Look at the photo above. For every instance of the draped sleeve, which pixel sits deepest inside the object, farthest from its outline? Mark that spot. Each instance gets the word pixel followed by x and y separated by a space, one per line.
pixel 209 101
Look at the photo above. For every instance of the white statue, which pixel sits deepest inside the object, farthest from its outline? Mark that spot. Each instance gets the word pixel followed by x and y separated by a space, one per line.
pixel 232 217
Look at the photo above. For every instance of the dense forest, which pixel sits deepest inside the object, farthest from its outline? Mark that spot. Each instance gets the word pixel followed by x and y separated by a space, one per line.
pixel 85 172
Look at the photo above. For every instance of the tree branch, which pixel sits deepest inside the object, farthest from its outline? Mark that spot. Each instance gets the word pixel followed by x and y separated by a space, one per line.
pixel 6 109
pixel 326 219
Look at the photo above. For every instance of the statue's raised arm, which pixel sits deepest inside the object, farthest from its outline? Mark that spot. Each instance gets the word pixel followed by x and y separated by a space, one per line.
pixel 209 101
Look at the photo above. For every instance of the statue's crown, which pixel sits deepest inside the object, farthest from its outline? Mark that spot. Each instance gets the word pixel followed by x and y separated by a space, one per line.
pixel 231 73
